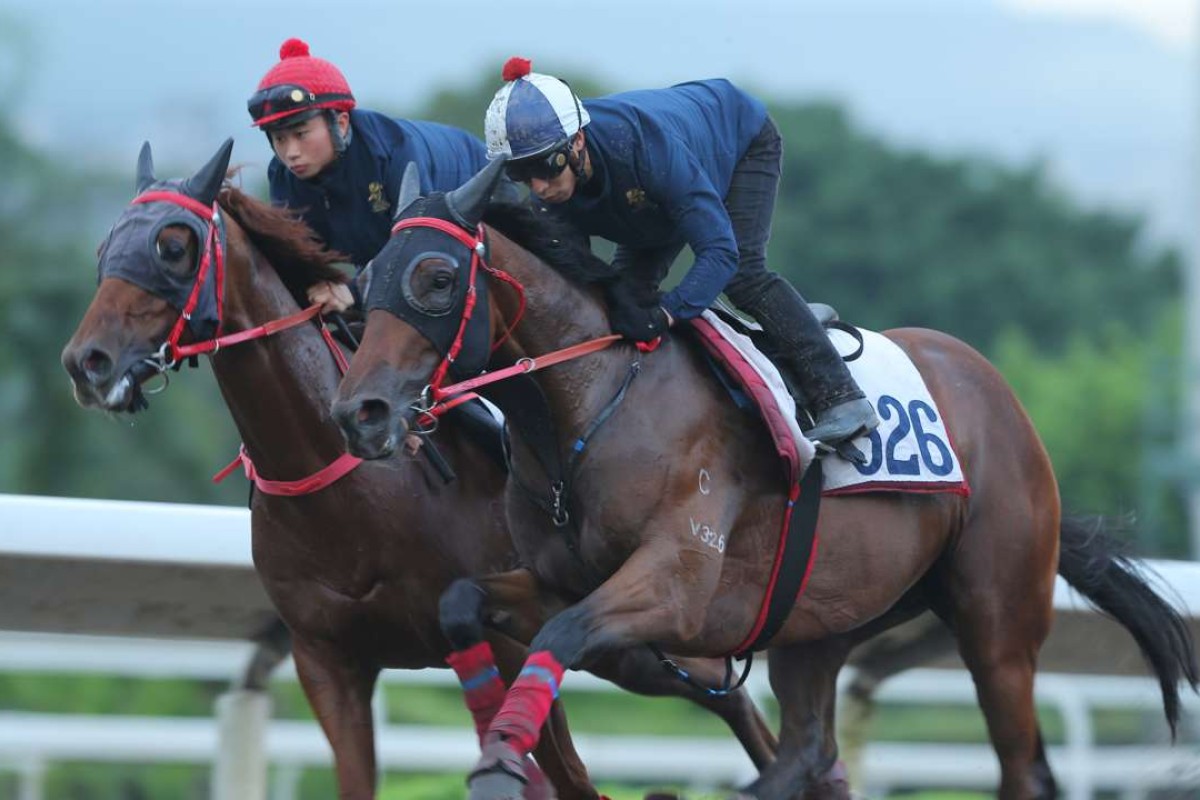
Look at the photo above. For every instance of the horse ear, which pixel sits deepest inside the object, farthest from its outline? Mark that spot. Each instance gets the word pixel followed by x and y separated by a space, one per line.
pixel 145 169
pixel 468 202
pixel 410 188
pixel 204 185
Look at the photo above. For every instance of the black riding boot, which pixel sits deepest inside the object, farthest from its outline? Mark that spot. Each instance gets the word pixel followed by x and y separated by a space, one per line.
pixel 802 348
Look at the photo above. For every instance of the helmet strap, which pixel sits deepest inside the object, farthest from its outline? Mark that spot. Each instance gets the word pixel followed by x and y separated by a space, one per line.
pixel 340 142
pixel 577 161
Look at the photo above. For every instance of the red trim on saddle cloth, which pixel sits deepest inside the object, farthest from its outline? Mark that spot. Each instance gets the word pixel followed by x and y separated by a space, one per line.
pixel 963 489
pixel 480 678
pixel 728 357
pixel 785 446
pixel 528 702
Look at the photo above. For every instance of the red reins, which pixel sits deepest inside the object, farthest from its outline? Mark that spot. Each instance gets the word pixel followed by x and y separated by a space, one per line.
pixel 172 352
pixel 439 398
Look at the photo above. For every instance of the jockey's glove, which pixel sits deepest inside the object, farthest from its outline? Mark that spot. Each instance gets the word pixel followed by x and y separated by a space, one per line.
pixel 639 323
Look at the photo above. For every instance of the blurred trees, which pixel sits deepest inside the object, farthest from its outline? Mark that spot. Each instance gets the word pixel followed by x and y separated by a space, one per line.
pixel 1069 302
pixel 965 245
pixel 51 221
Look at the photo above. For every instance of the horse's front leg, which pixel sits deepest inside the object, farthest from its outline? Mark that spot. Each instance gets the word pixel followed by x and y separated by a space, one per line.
pixel 660 594
pixel 339 690
pixel 481 664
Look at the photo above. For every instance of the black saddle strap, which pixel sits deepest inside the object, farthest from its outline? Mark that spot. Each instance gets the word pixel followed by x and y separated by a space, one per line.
pixel 853 332
pixel 797 554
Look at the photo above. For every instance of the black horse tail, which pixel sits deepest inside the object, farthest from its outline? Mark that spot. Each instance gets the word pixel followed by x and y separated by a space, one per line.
pixel 1096 565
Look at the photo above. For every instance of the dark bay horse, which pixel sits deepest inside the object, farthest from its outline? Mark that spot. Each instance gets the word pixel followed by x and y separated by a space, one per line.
pixel 355 569
pixel 631 568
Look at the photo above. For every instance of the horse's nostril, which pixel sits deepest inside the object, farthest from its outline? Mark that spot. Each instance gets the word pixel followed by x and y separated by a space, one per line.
pixel 97 364
pixel 372 412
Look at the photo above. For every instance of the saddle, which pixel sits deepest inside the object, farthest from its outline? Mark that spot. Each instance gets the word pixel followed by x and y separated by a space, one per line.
pixel 826 314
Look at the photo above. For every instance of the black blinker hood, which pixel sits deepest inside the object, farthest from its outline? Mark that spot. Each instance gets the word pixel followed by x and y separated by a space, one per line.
pixel 389 290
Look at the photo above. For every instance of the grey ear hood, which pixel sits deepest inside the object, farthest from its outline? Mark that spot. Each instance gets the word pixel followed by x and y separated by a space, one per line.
pixel 204 185
pixel 131 254
pixel 145 170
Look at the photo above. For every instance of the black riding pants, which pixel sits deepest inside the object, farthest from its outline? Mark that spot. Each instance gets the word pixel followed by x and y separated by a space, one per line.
pixel 750 203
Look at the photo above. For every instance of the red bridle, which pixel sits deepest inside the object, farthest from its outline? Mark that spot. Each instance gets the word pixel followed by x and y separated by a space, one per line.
pixel 439 398
pixel 172 352
pixel 213 258
pixel 477 244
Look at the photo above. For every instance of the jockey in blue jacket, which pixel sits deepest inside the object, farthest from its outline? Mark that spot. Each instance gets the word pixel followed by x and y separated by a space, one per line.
pixel 340 167
pixel 695 164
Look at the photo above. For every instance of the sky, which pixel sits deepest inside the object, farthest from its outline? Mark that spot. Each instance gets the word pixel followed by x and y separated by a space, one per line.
pixel 1173 21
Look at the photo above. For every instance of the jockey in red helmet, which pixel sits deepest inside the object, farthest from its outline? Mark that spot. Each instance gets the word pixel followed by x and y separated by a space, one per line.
pixel 695 164
pixel 340 166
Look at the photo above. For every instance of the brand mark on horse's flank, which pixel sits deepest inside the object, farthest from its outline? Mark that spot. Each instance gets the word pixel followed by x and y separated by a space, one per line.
pixel 705 480
pixel 707 535
pixel 375 197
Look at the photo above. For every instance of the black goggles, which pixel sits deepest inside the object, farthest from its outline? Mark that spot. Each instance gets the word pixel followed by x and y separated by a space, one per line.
pixel 279 101
pixel 546 167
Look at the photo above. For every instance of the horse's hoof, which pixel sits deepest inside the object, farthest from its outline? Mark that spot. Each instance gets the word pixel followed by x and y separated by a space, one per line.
pixel 834 785
pixel 663 796
pixel 498 775
pixel 538 787
pixel 495 786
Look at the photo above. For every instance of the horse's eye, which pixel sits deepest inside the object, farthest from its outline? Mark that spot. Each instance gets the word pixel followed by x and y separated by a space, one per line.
pixel 442 280
pixel 171 249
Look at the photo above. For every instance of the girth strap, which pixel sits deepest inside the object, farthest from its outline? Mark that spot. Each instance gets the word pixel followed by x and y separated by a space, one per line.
pixel 531 413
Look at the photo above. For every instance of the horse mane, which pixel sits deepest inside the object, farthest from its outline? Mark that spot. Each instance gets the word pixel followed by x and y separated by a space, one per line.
pixel 561 247
pixel 298 256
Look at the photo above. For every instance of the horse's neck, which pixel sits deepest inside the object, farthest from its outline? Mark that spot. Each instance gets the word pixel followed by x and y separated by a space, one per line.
pixel 559 314
pixel 277 389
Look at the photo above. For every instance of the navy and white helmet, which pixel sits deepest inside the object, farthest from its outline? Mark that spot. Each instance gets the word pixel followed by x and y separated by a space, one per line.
pixel 531 114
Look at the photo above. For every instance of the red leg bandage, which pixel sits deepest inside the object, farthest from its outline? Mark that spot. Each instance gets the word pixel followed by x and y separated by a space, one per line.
pixel 528 703
pixel 480 679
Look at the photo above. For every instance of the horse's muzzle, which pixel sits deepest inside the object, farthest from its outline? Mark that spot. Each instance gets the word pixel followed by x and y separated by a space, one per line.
pixel 98 378
pixel 373 426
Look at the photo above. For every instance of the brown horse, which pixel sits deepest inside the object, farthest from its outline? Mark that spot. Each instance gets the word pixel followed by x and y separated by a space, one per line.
pixel 355 569
pixel 630 569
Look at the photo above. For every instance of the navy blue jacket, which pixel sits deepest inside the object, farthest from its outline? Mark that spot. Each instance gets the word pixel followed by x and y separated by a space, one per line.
pixel 350 204
pixel 663 160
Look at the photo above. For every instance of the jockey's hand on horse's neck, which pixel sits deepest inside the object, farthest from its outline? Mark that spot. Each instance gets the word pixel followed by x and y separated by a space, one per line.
pixel 333 297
